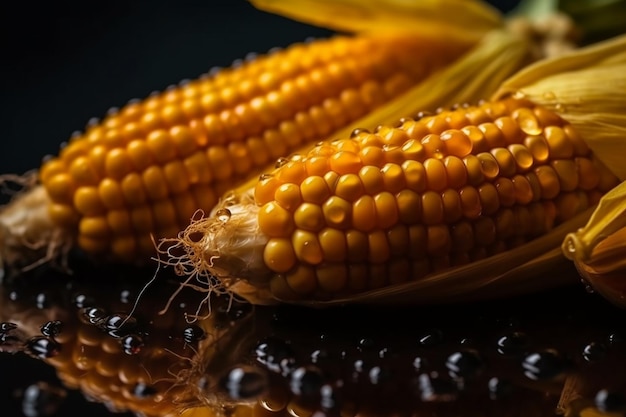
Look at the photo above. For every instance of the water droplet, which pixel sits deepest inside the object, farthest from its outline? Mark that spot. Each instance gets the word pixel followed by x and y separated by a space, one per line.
pixel 42 399
pixel 518 95
pixel 6 327
pixel 464 364
pixel 193 334
pixel 513 343
pixel 594 351
pixel 52 328
pixel 92 315
pixel 545 364
pixel 264 177
pixel 143 390
pixel 83 300
pixel 499 388
pixel 132 344
pixel 280 162
pixel 223 215
pixel 42 301
pixel 379 374
pixel 276 354
pixel 431 338
pixel 608 401
pixel 356 132
pixel 330 397
pixel 244 383
pixel 42 347
pixel 433 388
pixel 306 382
pixel 119 325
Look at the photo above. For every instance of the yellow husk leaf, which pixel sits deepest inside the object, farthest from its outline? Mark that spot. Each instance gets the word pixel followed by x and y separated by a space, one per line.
pixel 586 87
pixel 467 20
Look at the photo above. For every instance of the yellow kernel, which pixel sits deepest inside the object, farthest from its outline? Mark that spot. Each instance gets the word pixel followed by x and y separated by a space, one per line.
pixel 372 179
pixel 275 221
pixel 357 243
pixel 288 196
pixel 357 276
pixel 309 216
pixel 580 146
pixel 398 238
pixel 292 171
pixel 51 168
pixel 314 189
pixel 505 160
pixel 436 124
pixel 345 162
pixel 87 201
pixel 164 214
pixel 470 202
pixel 510 129
pixel 569 204
pixel 527 121
pixel 140 154
pixel 523 191
pixel 434 147
pixel 413 150
pixel 505 224
pixel 538 147
pixel 456 172
pixel 161 146
pixel 219 160
pixel 522 156
pixel 133 190
pixel 197 168
pixel 333 244
pixel 393 177
pixel 278 255
pixel 349 187
pixel 60 188
pixel 439 241
pixel 176 176
pixel 394 136
pixel 111 193
pixel 473 165
pixel 477 138
pixel 337 212
pixel 154 183
pixel 493 135
pixel 124 247
pixel 92 245
pixel 119 221
pixel 457 143
pixel 409 206
pixel 347 145
pixel 506 191
pixel 379 250
pixel 94 227
pixel 488 165
pixel 417 241
pixel 364 213
pixel 484 231
pixel 549 182
pixel 307 247
pixel 215 130
pixel 331 178
pixel 432 208
pixel 118 163
pixel 83 172
pixel 332 278
pixel 302 280
pixel 462 235
pixel 547 117
pixel 567 171
pixel 436 177
pixel 386 209
pixel 185 206
pixel 63 215
pixel 452 207
pixel 241 160
pixel 489 200
pixel 142 219
pixel 316 165
pixel 558 143
pixel 588 176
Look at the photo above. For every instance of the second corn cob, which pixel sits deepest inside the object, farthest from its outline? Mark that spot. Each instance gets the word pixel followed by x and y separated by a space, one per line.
pixel 384 208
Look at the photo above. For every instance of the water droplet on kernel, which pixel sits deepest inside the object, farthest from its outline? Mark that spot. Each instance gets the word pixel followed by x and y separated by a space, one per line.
pixel 281 161
pixel 223 215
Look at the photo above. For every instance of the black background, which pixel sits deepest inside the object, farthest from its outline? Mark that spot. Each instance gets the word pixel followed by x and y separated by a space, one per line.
pixel 63 63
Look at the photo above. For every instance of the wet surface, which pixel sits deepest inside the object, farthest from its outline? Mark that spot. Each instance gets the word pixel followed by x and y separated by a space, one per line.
pixel 89 339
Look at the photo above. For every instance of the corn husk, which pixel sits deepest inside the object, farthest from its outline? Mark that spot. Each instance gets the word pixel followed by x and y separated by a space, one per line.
pixel 586 87
pixel 464 20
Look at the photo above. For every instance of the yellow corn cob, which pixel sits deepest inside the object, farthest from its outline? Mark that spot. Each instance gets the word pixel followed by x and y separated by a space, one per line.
pixel 142 172
pixel 383 208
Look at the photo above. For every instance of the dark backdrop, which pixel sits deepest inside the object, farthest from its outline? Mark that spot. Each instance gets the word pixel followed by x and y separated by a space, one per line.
pixel 63 63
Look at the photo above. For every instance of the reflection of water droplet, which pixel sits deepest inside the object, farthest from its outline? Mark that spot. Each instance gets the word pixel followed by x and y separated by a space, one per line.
pixel 264 177
pixel 42 399
pixel 223 215
pixel 51 328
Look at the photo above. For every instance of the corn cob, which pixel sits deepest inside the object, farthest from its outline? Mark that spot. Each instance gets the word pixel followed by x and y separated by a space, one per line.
pixel 416 202
pixel 142 172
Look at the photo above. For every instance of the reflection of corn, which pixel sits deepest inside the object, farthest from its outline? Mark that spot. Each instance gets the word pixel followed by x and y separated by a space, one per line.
pixel 148 167
pixel 382 208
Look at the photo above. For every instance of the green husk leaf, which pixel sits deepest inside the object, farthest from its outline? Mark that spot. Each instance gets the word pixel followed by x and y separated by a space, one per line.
pixel 465 20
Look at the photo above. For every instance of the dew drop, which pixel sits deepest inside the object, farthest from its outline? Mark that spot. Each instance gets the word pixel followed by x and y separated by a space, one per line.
pixel 243 383
pixel 143 390
pixel 119 325
pixel 594 351
pixel 608 401
pixel 42 399
pixel 433 388
pixel 513 343
pixel 132 344
pixel 83 300
pixel 464 364
pixel 52 328
pixel 499 388
pixel 223 215
pixel 6 326
pixel 93 315
pixel 42 347
pixel 544 365
pixel 264 177
pixel 280 162
pixel 306 382
pixel 193 334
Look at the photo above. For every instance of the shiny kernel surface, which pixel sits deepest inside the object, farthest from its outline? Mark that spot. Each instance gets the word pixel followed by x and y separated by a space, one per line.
pixel 437 195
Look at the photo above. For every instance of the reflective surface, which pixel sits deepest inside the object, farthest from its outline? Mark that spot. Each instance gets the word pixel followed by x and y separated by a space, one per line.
pixel 560 352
